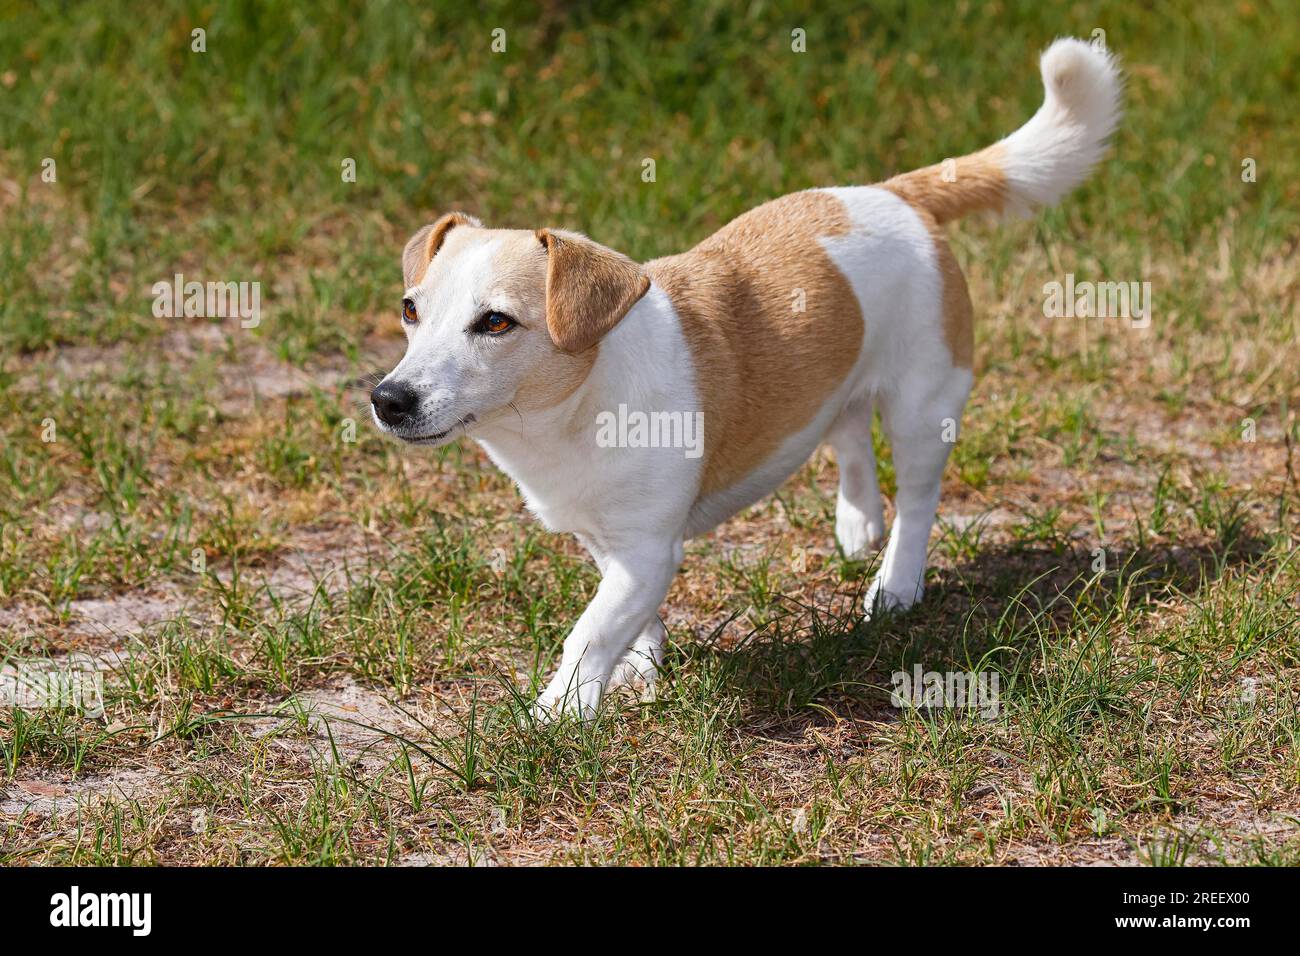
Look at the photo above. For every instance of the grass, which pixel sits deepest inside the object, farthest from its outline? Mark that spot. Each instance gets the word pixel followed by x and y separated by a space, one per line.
pixel 318 648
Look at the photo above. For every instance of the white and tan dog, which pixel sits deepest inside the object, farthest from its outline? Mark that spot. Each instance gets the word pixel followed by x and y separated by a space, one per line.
pixel 784 329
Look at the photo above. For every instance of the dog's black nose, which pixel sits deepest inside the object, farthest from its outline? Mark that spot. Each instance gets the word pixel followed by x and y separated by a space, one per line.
pixel 394 402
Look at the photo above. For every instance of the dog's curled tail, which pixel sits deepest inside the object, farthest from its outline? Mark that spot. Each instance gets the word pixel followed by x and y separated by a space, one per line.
pixel 1044 159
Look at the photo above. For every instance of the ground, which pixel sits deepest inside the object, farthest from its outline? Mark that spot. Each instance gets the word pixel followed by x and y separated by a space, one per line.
pixel 318 647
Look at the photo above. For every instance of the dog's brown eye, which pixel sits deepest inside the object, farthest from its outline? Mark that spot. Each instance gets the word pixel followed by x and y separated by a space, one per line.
pixel 408 312
pixel 494 323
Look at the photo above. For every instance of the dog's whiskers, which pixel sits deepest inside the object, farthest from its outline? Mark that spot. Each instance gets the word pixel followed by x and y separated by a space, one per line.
pixel 367 381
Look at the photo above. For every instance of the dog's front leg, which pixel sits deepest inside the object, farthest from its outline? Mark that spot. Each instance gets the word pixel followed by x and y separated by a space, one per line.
pixel 634 583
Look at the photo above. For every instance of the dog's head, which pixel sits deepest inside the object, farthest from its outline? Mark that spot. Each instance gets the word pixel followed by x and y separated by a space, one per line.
pixel 498 322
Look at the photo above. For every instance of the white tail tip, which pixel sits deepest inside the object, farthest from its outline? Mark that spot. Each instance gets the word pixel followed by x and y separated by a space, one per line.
pixel 1054 152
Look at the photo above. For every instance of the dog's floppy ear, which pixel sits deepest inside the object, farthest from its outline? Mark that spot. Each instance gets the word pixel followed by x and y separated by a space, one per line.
pixel 424 245
pixel 589 288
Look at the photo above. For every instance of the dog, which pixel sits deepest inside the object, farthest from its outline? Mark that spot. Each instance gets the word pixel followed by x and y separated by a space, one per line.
pixel 788 327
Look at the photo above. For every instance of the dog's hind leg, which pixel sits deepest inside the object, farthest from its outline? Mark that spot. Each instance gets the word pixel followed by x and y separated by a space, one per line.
pixel 859 516
pixel 921 424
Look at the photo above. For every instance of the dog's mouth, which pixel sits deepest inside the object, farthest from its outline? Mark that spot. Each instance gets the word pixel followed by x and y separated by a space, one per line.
pixel 435 437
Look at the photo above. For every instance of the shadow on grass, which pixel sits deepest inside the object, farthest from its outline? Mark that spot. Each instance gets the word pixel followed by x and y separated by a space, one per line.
pixel 992 612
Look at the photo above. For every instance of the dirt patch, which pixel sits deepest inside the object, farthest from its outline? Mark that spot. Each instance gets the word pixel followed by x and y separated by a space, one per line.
pixel 344 718
pixel 262 376
pixel 56 797
pixel 313 558
pixel 123 615
pixel 452 856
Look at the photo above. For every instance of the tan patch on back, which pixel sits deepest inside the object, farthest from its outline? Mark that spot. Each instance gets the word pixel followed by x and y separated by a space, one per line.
pixel 955 187
pixel 763 369
pixel 957 313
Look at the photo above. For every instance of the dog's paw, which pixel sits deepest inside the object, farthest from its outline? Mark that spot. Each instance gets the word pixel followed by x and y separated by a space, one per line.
pixel 857 533
pixel 636 674
pixel 639 668
pixel 566 698
pixel 882 600
pixel 549 710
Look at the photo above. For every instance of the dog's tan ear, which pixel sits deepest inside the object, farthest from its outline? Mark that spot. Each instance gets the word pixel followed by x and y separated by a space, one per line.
pixel 589 288
pixel 424 245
